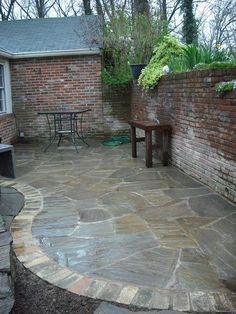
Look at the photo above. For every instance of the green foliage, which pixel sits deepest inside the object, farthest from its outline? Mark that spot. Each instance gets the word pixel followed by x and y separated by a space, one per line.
pixel 169 47
pixel 190 28
pixel 181 58
pixel 194 55
pixel 127 42
pixel 224 87
pixel 178 65
pixel 118 76
pixel 144 36
pixel 116 49
pixel 215 65
pixel 221 55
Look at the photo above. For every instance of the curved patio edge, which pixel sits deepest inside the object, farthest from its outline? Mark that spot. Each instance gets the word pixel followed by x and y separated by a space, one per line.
pixel 30 255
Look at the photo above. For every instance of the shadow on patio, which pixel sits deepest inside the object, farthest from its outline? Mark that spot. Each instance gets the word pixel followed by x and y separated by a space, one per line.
pixel 101 225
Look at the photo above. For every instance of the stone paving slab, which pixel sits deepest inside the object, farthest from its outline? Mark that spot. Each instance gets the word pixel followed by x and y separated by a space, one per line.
pixel 106 308
pixel 11 202
pixel 4 285
pixel 5 258
pixel 140 237
pixel 6 305
pixel 5 238
pixel 2 224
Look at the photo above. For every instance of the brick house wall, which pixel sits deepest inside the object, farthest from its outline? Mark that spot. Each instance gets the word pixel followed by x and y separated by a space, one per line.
pixel 64 83
pixel 7 128
pixel 116 108
pixel 203 141
pixel 40 84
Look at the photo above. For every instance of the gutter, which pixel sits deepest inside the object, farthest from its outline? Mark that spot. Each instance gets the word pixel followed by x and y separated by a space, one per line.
pixel 55 53
pixel 4 53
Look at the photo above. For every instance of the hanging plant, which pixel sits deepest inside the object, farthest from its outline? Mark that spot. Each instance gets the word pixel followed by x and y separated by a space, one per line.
pixel 224 87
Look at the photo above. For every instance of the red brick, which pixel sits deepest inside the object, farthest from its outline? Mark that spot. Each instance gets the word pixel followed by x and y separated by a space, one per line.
pixel 204 125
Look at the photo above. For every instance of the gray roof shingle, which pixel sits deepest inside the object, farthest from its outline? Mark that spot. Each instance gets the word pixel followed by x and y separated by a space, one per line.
pixel 83 33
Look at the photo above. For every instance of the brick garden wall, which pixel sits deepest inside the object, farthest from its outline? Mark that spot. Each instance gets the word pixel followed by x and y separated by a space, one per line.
pixel 203 141
pixel 7 128
pixel 116 108
pixel 56 83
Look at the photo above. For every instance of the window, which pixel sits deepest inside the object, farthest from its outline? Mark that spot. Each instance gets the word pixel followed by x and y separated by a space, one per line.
pixel 5 88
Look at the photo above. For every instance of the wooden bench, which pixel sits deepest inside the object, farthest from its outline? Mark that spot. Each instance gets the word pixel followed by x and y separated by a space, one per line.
pixel 7 161
pixel 163 128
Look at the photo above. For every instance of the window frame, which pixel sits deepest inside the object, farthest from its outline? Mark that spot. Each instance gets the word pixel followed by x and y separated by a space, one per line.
pixel 7 105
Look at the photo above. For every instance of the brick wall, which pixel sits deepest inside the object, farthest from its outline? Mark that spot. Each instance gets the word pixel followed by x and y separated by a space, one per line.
pixel 56 83
pixel 116 108
pixel 7 128
pixel 203 141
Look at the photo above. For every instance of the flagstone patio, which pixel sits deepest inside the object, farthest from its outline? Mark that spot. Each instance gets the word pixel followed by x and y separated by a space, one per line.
pixel 101 225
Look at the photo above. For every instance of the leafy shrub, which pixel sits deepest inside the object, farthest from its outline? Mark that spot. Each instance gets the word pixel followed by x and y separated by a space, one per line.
pixel 144 35
pixel 116 49
pixel 194 55
pixel 168 48
pixel 127 41
pixel 178 65
pixel 224 87
pixel 215 65
pixel 118 76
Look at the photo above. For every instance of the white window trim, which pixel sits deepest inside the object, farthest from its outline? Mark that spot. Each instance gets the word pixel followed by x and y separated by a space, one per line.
pixel 7 85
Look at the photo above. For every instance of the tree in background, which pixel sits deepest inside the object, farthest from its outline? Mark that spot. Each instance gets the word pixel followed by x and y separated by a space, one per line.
pixel 218 28
pixel 87 7
pixel 6 9
pixel 42 7
pixel 128 40
pixel 140 7
pixel 190 29
pixel 33 8
pixel 132 28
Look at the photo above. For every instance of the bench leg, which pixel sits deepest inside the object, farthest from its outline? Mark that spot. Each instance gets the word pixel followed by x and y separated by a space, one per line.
pixel 165 138
pixel 148 143
pixel 133 141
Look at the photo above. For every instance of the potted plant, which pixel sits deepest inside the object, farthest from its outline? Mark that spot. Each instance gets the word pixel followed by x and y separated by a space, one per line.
pixel 136 69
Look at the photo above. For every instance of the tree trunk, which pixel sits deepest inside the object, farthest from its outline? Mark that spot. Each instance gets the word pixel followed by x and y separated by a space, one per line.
pixel 163 10
pixel 40 7
pixel 99 9
pixel 6 9
pixel 189 23
pixel 141 7
pixel 87 7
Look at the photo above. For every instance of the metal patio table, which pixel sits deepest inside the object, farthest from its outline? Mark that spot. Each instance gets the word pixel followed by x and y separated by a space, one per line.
pixel 65 122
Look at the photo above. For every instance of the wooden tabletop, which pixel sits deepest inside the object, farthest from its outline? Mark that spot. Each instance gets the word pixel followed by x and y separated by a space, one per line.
pixel 63 112
pixel 150 125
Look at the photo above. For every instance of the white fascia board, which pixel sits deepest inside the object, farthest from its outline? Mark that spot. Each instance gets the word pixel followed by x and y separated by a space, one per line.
pixel 8 87
pixel 41 54
pixel 5 54
pixel 7 83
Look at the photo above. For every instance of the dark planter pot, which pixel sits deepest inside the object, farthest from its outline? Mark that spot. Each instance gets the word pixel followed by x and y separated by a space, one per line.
pixel 136 70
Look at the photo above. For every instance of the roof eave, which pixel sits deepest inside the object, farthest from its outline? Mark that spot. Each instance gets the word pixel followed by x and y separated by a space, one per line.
pixel 56 53
pixel 5 54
